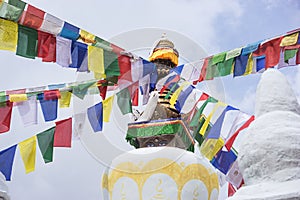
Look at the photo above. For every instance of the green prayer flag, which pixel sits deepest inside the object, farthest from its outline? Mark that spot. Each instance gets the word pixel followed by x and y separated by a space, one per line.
pixel 218 58
pixel 289 53
pixel 195 120
pixel 10 12
pixel 102 44
pixel 225 67
pixel 2 96
pixel 196 134
pixel 46 141
pixel 211 71
pixel 81 90
pixel 17 3
pixel 111 63
pixel 124 101
pixel 27 42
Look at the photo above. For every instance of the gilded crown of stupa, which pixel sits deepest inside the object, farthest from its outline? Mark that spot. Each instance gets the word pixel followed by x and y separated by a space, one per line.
pixel 164 49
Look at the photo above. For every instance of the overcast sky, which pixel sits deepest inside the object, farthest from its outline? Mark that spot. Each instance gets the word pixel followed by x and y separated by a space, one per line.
pixel 215 26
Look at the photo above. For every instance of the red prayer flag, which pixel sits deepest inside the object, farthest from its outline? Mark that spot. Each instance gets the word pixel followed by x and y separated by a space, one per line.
pixel 229 143
pixel 32 17
pixel 134 93
pixel 167 84
pixel 298 57
pixel 102 88
pixel 63 133
pixel 231 190
pixel 51 94
pixel 125 67
pixel 5 116
pixel 46 47
pixel 204 69
pixel 271 50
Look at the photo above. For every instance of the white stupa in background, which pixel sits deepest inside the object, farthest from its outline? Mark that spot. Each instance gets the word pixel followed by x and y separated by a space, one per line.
pixel 270 157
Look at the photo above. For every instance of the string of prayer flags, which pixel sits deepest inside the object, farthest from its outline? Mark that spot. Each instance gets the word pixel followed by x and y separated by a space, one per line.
pixel 49 107
pixel 28 153
pixel 5 116
pixel 32 17
pixel 63 133
pixel 10 12
pixel 45 142
pixel 6 161
pixel 27 42
pixel 69 31
pixel 95 116
pixel 8 35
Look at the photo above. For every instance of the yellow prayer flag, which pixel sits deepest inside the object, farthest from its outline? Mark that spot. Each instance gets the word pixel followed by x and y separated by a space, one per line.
pixel 99 76
pixel 86 36
pixel 96 60
pixel 249 67
pixel 65 98
pixel 175 95
pixel 28 152
pixel 17 97
pixel 211 147
pixel 8 35
pixel 206 123
pixel 107 107
pixel 289 40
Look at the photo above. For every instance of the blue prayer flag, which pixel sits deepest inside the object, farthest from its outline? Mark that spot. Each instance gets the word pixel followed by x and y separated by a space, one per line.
pixel 223 160
pixel 6 161
pixel 178 69
pixel 49 107
pixel 69 31
pixel 182 97
pixel 250 48
pixel 240 65
pixel 215 130
pixel 95 115
pixel 260 63
pixel 79 52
